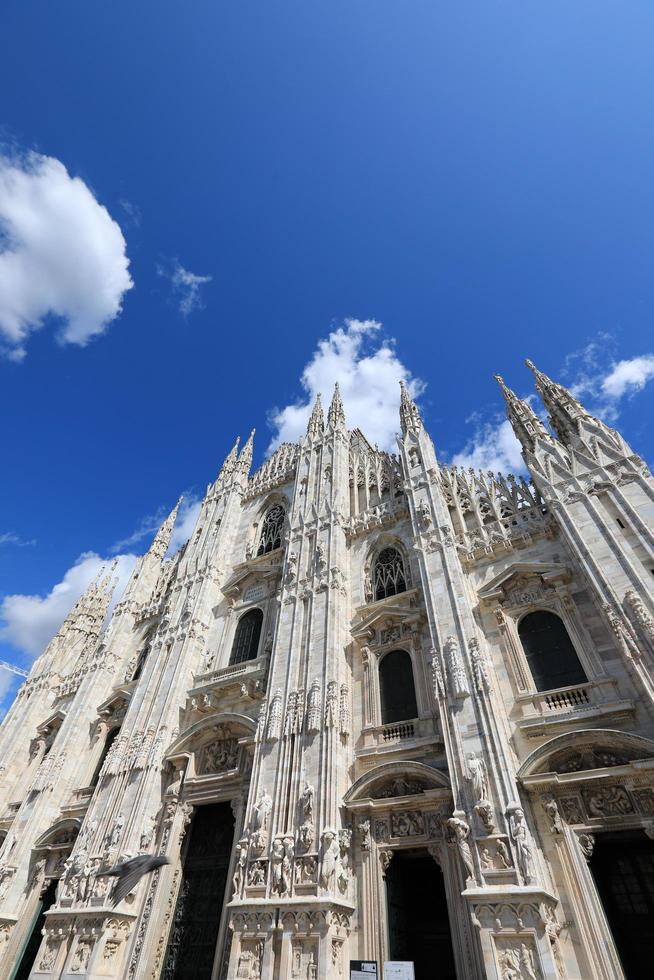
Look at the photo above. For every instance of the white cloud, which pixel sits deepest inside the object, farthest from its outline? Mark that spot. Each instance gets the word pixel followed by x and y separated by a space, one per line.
pixel 61 254
pixel 368 371
pixel 10 537
pixel 186 285
pixel 493 447
pixel 30 621
pixel 628 377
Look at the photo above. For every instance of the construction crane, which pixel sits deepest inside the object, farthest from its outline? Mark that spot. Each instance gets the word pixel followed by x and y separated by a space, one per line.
pixel 13 668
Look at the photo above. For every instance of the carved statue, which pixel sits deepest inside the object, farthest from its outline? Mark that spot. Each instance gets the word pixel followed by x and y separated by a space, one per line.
pixel 459 832
pixel 478 777
pixel 314 709
pixel 306 803
pixel 275 717
pixel 329 859
pixel 523 844
pixel 262 810
pixel 551 808
pixel 331 705
pixel 276 857
pixel 457 672
pixel 239 868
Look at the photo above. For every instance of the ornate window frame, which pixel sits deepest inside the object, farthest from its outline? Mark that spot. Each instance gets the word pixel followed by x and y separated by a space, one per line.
pixel 376 547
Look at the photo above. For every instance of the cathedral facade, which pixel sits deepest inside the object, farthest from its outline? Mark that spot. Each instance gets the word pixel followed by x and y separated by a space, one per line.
pixel 375 709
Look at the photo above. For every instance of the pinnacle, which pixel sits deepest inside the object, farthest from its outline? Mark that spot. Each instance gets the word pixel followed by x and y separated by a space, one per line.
pixel 409 414
pixel 336 414
pixel 316 424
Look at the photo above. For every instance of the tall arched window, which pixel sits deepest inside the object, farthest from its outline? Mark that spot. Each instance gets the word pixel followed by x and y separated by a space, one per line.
pixel 246 638
pixel 108 742
pixel 271 531
pixel 388 574
pixel 396 688
pixel 552 659
pixel 143 653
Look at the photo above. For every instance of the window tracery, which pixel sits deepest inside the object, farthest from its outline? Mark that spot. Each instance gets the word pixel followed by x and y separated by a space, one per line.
pixel 271 531
pixel 389 577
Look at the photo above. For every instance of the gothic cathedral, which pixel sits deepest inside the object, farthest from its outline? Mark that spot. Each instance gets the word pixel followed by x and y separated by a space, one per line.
pixel 375 708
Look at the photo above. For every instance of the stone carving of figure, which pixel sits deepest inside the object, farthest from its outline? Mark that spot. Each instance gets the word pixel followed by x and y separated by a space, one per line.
pixel 331 705
pixel 147 833
pixel 621 631
pixel 344 841
pixel 478 777
pixel 313 709
pixel 321 557
pixel 503 855
pixel 523 844
pixel 459 832
pixel 329 859
pixel 117 830
pixel 364 831
pixel 344 711
pixel 424 514
pixel 276 859
pixel 306 803
pixel 457 672
pixel 239 867
pixel 438 684
pixel 275 717
pixel 262 811
pixel 479 666
pixel 641 614
pixel 287 865
pixel 291 566
pixel 551 808
pixel 484 811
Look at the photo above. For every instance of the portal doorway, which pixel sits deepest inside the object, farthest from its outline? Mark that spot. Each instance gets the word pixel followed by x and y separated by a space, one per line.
pixel 31 948
pixel 194 932
pixel 623 868
pixel 418 922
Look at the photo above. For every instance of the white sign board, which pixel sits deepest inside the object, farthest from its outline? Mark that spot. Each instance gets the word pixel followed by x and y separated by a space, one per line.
pixel 363 970
pixel 253 593
pixel 399 970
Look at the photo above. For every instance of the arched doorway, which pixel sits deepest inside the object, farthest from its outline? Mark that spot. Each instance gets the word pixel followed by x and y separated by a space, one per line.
pixel 418 921
pixel 622 865
pixel 26 962
pixel 203 891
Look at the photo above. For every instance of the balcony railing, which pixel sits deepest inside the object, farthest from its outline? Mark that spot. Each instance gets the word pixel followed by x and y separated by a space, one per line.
pixel 398 732
pixel 568 700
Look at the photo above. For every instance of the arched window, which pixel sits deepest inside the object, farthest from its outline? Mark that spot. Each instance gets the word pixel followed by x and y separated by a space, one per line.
pixel 388 574
pixel 246 638
pixel 108 742
pixel 142 657
pixel 552 659
pixel 271 532
pixel 396 688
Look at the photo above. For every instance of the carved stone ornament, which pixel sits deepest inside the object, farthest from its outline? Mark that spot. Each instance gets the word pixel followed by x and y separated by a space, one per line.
pixel 218 756
pixel 458 834
pixel 517 960
pixel 522 842
pixel 458 679
pixel 587 845
pixel 407 823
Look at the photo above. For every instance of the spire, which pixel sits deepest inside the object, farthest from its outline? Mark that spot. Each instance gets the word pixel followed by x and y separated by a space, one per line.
pixel 245 459
pixel 524 421
pixel 336 414
pixel 159 546
pixel 409 414
pixel 564 410
pixel 316 425
pixel 230 460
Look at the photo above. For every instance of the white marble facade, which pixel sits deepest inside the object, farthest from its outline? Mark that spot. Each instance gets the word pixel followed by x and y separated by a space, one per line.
pixel 504 783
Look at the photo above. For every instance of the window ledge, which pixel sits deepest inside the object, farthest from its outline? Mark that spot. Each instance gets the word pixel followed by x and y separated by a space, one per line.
pixel 398 736
pixel 249 674
pixel 567 716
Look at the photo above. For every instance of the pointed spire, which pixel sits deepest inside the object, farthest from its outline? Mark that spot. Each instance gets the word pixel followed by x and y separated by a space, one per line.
pixel 316 425
pixel 564 410
pixel 409 414
pixel 524 421
pixel 159 546
pixel 230 460
pixel 245 459
pixel 336 414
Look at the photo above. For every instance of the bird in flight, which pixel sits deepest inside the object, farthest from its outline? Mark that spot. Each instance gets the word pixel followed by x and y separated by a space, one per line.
pixel 130 872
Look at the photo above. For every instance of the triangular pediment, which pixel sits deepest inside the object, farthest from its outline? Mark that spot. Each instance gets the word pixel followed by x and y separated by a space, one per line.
pixel 395 610
pixel 255 570
pixel 52 721
pixel 510 578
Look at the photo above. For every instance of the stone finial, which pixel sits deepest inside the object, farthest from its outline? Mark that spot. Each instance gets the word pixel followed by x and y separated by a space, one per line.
pixel 245 459
pixel 524 421
pixel 336 414
pixel 159 546
pixel 409 414
pixel 230 460
pixel 316 424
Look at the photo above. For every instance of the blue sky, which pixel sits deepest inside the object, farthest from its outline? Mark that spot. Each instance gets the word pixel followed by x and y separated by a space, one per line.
pixel 224 199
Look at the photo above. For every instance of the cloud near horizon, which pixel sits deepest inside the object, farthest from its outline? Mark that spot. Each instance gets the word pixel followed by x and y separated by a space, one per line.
pixel 368 371
pixel 62 255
